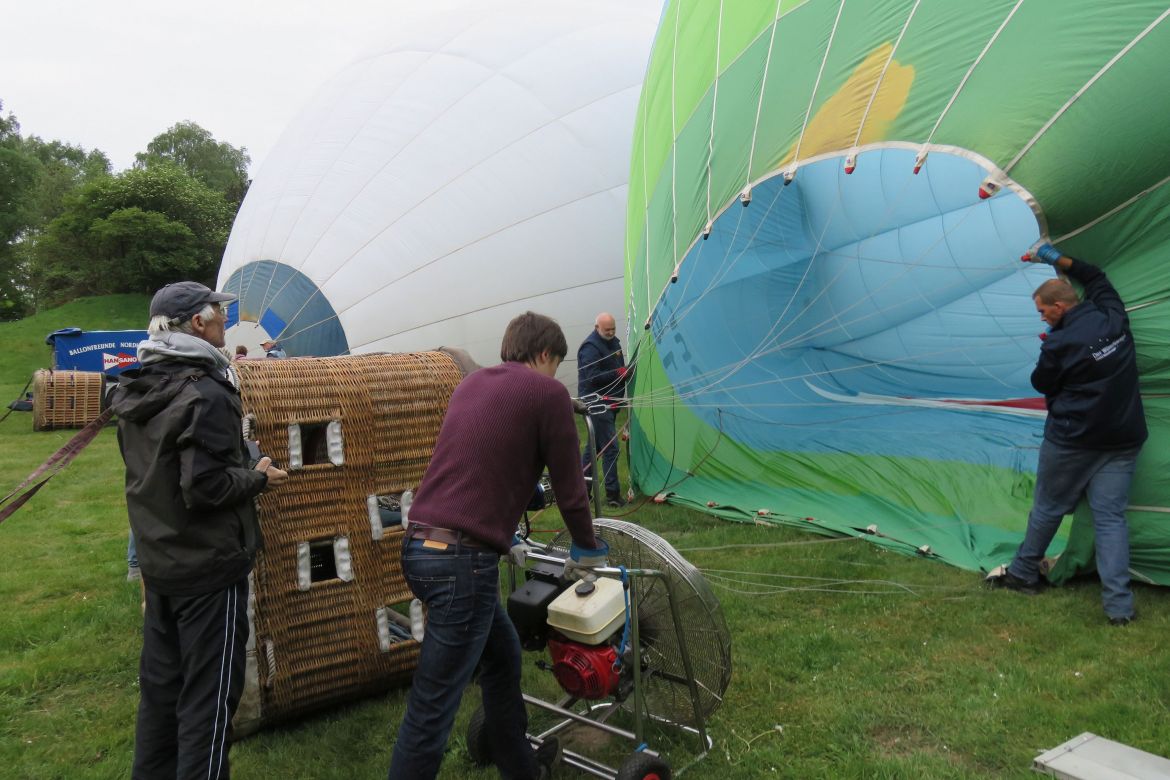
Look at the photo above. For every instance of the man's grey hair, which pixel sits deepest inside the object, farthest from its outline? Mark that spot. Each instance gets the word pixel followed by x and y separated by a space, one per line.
pixel 162 323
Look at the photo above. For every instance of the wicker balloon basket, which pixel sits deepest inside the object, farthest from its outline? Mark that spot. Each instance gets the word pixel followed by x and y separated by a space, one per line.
pixel 328 599
pixel 66 399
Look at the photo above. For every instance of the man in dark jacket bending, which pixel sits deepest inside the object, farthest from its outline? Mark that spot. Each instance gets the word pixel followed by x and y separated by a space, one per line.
pixel 1088 374
pixel 601 370
pixel 190 496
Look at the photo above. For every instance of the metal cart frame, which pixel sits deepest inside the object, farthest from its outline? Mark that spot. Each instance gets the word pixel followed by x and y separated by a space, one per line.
pixel 598 714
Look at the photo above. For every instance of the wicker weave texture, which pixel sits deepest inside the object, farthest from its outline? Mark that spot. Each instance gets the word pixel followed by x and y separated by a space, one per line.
pixel 66 399
pixel 320 646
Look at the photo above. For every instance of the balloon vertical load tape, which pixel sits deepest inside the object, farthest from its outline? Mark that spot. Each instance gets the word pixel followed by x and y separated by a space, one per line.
pixel 365 428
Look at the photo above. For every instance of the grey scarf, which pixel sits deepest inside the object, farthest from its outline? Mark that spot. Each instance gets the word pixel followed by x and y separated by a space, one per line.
pixel 185 348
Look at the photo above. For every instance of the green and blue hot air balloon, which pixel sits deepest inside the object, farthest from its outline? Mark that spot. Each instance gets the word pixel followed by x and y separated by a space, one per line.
pixel 828 201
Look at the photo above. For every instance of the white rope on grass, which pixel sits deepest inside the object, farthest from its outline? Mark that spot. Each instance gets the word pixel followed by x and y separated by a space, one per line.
pixel 770 545
pixel 840 586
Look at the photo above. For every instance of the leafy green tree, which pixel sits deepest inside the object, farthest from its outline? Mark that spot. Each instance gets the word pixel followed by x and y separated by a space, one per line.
pixel 133 232
pixel 64 168
pixel 219 165
pixel 18 177
pixel 36 178
pixel 18 180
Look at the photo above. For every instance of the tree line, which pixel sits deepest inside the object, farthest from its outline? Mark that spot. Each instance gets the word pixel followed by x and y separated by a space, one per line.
pixel 69 226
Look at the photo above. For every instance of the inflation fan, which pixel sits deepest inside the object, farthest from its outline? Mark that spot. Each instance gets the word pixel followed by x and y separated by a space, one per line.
pixel 647 636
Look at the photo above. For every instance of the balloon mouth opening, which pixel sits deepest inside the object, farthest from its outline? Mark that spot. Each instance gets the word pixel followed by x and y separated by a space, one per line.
pixel 856 287
pixel 279 303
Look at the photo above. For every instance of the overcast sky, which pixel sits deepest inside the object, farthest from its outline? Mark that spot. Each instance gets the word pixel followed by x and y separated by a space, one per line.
pixel 113 74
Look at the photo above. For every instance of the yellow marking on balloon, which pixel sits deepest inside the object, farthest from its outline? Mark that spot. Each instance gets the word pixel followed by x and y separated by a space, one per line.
pixel 834 126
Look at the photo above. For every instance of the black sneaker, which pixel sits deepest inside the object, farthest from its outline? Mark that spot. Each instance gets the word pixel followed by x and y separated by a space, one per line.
pixel 1012 582
pixel 548 755
pixel 616 502
pixel 1122 621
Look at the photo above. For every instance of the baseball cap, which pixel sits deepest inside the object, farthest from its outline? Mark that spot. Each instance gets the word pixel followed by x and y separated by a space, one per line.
pixel 182 300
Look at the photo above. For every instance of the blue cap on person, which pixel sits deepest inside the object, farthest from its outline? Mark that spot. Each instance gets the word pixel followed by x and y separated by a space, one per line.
pixel 183 300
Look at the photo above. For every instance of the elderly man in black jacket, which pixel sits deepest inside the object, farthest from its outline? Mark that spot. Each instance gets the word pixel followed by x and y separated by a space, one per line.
pixel 1088 374
pixel 601 370
pixel 190 495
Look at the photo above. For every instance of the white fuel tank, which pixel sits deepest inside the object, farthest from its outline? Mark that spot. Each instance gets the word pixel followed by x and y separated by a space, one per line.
pixel 589 615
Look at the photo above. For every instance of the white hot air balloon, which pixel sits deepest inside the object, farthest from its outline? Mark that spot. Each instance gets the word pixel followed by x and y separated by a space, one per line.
pixel 470 168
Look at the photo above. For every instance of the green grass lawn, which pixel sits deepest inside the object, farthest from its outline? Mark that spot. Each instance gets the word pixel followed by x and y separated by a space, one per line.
pixel 849 661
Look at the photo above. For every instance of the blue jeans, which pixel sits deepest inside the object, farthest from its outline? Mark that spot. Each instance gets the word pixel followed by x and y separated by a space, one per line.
pixel 466 627
pixel 131 552
pixel 605 428
pixel 1063 475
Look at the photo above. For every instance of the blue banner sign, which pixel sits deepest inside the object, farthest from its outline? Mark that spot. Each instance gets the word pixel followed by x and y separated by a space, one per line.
pixel 105 351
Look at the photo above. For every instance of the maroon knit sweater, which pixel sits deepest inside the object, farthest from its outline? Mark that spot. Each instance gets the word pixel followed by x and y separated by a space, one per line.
pixel 503 426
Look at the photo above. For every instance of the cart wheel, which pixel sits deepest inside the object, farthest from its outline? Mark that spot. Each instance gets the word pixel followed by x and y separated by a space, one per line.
pixel 478 747
pixel 643 766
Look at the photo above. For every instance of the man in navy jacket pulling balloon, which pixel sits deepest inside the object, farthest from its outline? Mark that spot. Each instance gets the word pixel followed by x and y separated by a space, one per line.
pixel 1088 374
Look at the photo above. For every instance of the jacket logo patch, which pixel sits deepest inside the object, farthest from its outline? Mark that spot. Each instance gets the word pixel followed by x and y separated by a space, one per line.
pixel 1109 348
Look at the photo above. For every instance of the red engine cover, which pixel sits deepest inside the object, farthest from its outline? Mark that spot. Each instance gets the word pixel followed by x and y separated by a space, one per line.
pixel 584 671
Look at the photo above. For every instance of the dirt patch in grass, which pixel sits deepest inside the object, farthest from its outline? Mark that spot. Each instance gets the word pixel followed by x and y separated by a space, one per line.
pixel 902 742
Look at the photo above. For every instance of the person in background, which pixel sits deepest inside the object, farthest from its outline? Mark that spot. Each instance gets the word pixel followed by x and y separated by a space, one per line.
pixel 241 352
pixel 190 496
pixel 1095 428
pixel 504 425
pixel 601 369
pixel 273 349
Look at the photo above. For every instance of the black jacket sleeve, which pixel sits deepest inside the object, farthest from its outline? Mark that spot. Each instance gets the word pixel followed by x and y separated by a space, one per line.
pixel 1047 377
pixel 1098 289
pixel 211 474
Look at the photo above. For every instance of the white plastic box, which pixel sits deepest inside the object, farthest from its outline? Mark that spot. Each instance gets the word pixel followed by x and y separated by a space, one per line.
pixel 589 619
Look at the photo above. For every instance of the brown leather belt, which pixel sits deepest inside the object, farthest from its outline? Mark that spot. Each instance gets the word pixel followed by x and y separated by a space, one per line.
pixel 444 535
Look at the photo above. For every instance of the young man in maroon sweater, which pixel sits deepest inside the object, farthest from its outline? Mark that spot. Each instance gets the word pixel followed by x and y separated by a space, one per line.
pixel 504 425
